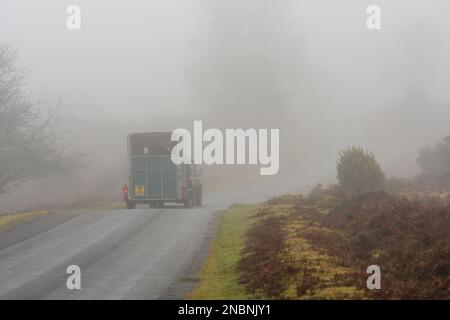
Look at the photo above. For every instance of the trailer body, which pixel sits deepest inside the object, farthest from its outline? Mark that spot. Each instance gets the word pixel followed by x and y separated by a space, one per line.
pixel 153 177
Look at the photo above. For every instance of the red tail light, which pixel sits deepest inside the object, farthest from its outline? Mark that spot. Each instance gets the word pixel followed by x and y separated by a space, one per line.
pixel 125 189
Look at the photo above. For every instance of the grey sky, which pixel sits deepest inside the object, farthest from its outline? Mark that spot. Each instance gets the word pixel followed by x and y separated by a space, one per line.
pixel 132 56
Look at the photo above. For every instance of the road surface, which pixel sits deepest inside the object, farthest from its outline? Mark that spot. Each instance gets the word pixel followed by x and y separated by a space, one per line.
pixel 123 254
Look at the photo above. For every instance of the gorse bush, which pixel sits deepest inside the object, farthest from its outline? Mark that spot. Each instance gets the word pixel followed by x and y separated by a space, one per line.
pixel 358 171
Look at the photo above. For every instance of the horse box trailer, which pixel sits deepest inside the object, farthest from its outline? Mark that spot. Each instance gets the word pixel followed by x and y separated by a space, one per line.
pixel 153 177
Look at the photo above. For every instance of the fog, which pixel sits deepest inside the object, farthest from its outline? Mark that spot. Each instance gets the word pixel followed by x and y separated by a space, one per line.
pixel 310 68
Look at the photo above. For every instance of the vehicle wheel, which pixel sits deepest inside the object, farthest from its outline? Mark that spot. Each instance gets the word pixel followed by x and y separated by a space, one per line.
pixel 188 202
pixel 194 200
pixel 131 205
pixel 197 199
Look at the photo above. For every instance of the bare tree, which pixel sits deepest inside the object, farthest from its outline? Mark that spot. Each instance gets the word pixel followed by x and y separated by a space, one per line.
pixel 30 147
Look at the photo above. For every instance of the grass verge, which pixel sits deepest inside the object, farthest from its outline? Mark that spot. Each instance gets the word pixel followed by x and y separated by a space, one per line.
pixel 218 278
pixel 10 220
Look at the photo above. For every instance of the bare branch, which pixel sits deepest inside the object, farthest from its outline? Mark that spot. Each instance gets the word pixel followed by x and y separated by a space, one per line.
pixel 30 146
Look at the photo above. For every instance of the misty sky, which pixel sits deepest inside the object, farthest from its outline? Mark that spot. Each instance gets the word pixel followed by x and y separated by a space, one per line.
pixel 136 57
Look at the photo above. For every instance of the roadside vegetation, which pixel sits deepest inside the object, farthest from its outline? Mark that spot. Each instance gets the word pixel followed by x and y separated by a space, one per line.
pixel 318 246
pixel 218 278
pixel 10 220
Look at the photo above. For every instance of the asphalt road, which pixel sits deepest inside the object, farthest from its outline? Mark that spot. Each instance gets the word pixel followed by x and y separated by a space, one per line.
pixel 123 254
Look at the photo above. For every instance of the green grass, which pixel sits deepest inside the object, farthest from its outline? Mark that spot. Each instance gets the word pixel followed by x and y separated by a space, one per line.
pixel 218 277
pixel 9 220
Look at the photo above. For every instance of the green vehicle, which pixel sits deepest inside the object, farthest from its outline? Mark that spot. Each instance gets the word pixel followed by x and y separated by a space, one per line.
pixel 154 179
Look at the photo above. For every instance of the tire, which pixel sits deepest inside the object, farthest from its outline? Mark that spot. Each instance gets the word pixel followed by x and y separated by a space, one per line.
pixel 197 199
pixel 200 196
pixel 131 204
pixel 188 202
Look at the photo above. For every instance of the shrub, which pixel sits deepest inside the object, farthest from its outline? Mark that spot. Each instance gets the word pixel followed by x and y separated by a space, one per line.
pixel 358 171
pixel 408 239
